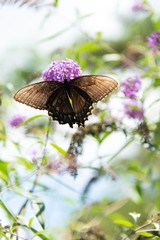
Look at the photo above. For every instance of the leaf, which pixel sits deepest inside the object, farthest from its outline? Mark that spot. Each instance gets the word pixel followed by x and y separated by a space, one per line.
pixel 104 136
pixel 44 160
pixel 3 235
pixel 157 133
pixel 123 222
pixel 146 234
pixel 6 210
pixel 120 220
pixel 25 163
pixel 42 236
pixel 37 233
pixel 2 131
pixel 59 149
pixel 4 175
pixel 39 208
pixel 21 3
pixel 55 4
pixel 31 119
pixel 30 222
pixel 89 47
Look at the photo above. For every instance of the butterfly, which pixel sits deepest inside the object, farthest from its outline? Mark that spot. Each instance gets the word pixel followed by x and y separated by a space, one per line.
pixel 68 102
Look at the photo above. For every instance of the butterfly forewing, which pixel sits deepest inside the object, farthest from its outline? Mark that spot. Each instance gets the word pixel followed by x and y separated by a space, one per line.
pixel 36 95
pixel 96 86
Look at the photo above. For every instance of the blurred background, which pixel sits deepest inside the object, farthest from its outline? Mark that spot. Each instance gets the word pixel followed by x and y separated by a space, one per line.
pixel 110 189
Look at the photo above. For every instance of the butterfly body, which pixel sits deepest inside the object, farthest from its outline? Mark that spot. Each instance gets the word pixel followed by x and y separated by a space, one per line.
pixel 68 102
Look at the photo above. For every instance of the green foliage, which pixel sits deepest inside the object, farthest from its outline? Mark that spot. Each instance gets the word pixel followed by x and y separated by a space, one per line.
pixel 59 149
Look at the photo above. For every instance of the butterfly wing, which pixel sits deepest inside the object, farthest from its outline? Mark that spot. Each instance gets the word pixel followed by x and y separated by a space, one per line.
pixel 86 90
pixel 96 86
pixel 60 108
pixel 51 96
pixel 36 95
pixel 81 104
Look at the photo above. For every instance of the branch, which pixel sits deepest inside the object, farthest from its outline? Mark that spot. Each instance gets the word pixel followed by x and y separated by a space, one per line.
pixel 30 3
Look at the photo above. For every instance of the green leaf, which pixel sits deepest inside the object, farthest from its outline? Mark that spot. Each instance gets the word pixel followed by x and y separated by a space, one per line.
pixel 123 222
pixel 2 131
pixel 4 175
pixel 146 234
pixel 6 210
pixel 25 163
pixel 30 221
pixel 55 4
pixel 3 235
pixel 39 208
pixel 120 220
pixel 88 46
pixel 104 136
pixel 42 236
pixel 157 134
pixel 157 82
pixel 59 149
pixel 32 119
pixel 101 137
pixel 44 160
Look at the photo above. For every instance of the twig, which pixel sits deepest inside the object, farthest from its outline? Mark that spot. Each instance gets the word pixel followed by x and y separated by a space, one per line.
pixel 23 207
pixel 120 150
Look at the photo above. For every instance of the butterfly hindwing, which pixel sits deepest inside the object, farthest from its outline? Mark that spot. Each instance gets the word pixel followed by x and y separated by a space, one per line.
pixel 81 104
pixel 60 108
pixel 36 95
pixel 96 86
pixel 70 107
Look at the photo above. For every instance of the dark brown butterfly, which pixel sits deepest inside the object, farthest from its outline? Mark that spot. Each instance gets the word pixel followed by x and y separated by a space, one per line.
pixel 69 102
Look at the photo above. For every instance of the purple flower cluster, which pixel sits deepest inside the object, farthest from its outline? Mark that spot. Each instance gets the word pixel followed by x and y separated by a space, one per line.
pixel 61 70
pixel 16 120
pixel 56 166
pixel 154 41
pixel 131 87
pixel 133 107
pixel 139 6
